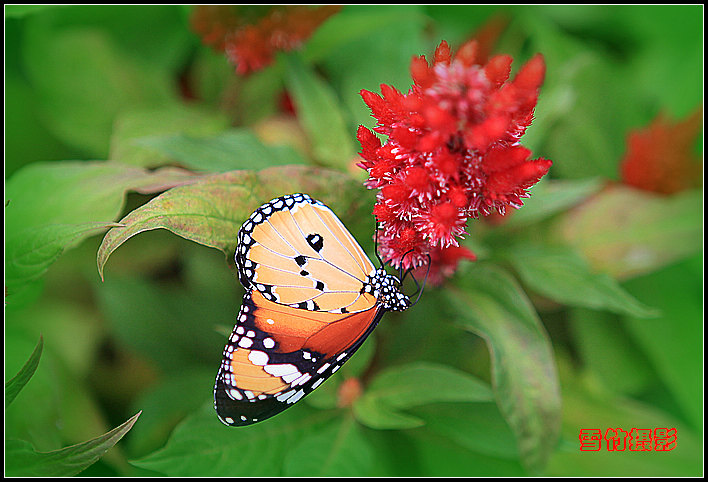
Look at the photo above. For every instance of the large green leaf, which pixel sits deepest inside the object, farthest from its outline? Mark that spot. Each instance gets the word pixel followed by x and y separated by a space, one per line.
pixel 571 127
pixel 351 24
pixel 16 383
pixel 585 408
pixel 230 150
pixel 202 446
pixel 23 460
pixel 627 232
pixel 564 276
pixel 672 342
pixel 608 352
pixel 479 427
pixel 491 304
pixel 338 449
pixel 54 206
pixel 173 327
pixel 320 113
pixel 412 385
pixel 131 127
pixel 83 81
pixel 388 51
pixel 211 211
pixel 549 197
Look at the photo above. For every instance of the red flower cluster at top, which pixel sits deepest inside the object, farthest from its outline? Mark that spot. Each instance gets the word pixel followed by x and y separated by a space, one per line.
pixel 661 158
pixel 251 35
pixel 452 152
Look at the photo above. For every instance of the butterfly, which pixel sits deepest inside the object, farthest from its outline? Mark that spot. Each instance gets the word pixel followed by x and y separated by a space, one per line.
pixel 312 298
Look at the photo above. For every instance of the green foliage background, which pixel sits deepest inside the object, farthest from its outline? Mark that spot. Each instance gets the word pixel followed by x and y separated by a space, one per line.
pixel 584 310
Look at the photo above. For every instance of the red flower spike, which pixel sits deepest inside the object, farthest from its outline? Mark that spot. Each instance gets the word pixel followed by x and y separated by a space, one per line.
pixel 442 54
pixel 531 75
pixel 442 224
pixel 369 143
pixel 500 158
pixel 251 45
pixel 498 69
pixel 513 181
pixel 384 213
pixel 661 157
pixel 443 263
pixel 452 152
pixel 418 179
pixel 420 72
pixel 467 54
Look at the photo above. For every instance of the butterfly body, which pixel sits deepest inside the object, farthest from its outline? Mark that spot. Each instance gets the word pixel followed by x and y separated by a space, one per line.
pixel 312 298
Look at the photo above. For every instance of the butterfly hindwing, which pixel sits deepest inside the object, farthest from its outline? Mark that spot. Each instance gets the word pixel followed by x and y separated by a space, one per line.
pixel 278 354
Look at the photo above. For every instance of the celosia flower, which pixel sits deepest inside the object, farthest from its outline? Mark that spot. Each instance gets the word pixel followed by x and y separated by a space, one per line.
pixel 452 152
pixel 251 35
pixel 661 158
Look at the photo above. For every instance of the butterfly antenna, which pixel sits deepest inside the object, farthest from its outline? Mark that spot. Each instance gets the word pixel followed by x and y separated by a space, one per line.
pixel 376 242
pixel 401 274
pixel 425 280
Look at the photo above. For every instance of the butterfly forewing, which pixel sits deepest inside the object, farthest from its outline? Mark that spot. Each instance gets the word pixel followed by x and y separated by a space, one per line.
pixel 295 251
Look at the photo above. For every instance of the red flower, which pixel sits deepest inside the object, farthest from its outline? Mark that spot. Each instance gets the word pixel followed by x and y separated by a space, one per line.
pixel 251 35
pixel 452 152
pixel 661 158
pixel 443 263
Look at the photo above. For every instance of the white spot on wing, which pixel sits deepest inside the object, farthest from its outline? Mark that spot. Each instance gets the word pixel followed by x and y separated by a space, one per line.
pixel 258 358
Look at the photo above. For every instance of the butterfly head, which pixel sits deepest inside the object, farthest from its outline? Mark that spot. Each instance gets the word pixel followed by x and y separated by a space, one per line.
pixel 387 289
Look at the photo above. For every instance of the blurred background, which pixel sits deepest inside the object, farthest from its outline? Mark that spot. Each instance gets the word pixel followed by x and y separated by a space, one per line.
pixel 620 115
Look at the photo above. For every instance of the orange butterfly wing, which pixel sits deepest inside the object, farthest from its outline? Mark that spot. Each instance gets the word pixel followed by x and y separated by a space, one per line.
pixel 296 252
pixel 278 354
pixel 306 311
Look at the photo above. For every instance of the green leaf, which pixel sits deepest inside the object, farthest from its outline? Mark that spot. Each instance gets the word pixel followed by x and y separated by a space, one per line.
pixel 55 408
pixel 202 446
pixel 137 311
pixel 17 383
pixel 435 456
pixel 32 251
pixel 27 138
pixel 551 196
pixel 211 211
pixel 491 304
pixel 23 460
pixel 577 75
pixel 165 404
pixel 388 48
pixel 235 149
pixel 480 428
pixel 609 353
pixel 564 276
pixel 337 449
pixel 19 11
pixel 413 385
pixel 672 342
pixel 81 90
pixel 627 232
pixel 132 127
pixel 585 408
pixel 353 24
pixel 321 114
pixel 53 206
